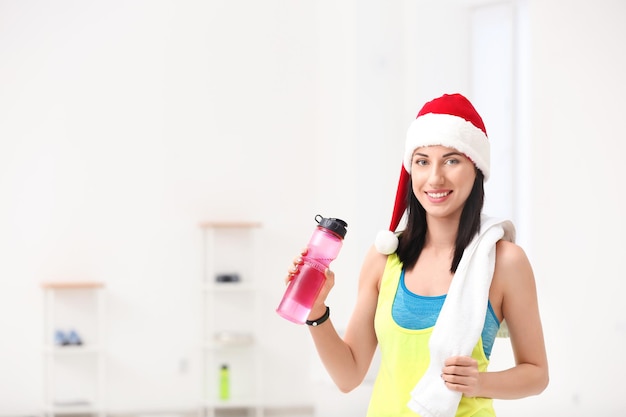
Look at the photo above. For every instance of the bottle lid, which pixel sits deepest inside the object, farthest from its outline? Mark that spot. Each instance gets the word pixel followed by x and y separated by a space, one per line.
pixel 336 226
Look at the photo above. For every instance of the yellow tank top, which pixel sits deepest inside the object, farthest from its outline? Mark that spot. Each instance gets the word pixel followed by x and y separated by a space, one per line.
pixel 405 358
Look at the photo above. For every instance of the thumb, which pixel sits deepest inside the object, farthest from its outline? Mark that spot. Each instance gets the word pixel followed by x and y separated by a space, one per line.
pixel 330 275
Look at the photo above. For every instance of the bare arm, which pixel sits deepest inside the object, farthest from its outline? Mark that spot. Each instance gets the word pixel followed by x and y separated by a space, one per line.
pixel 347 360
pixel 515 284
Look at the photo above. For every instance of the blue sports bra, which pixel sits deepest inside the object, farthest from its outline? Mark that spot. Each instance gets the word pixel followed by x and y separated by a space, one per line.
pixel 413 311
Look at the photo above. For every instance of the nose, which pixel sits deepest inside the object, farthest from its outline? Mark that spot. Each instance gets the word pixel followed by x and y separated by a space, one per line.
pixel 436 177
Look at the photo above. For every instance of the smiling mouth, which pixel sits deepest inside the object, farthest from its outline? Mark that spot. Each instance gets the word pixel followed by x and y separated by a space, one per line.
pixel 438 195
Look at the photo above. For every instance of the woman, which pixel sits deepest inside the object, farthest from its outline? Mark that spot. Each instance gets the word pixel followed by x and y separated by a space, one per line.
pixel 434 295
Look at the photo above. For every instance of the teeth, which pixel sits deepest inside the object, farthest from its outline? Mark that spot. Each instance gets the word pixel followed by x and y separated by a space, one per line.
pixel 438 195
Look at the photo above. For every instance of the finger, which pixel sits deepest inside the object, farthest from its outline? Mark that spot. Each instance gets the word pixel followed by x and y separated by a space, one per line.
pixel 296 262
pixel 460 361
pixel 458 379
pixel 288 278
pixel 462 371
pixel 291 273
pixel 295 266
pixel 457 387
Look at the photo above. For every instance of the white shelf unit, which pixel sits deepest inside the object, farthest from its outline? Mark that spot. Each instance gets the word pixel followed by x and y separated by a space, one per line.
pixel 230 312
pixel 74 375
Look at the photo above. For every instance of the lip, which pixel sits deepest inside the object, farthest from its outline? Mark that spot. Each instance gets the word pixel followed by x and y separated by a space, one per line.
pixel 438 196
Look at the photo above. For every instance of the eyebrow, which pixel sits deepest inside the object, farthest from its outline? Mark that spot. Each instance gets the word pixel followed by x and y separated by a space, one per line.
pixel 443 156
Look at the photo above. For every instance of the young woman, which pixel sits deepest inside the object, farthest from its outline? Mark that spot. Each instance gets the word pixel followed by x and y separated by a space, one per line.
pixel 434 295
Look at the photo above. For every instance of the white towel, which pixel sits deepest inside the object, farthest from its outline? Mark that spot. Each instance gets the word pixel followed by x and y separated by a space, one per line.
pixel 461 319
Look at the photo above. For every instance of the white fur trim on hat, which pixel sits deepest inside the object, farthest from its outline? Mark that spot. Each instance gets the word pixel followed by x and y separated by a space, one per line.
pixel 448 130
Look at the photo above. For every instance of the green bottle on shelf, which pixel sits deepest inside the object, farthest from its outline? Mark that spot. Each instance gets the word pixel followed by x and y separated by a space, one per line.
pixel 224 382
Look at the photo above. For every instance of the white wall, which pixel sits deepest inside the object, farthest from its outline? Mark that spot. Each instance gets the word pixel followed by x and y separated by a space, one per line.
pixel 124 124
pixel 577 70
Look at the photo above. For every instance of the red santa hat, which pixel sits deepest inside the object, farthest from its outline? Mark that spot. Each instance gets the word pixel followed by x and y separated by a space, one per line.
pixel 452 121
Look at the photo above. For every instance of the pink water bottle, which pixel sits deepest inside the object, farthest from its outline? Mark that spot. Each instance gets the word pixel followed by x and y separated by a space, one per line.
pixel 322 249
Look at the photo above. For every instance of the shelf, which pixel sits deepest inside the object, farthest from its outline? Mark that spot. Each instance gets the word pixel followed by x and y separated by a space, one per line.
pixel 73 409
pixel 126 411
pixel 71 285
pixel 72 350
pixel 230 318
pixel 77 306
pixel 229 287
pixel 229 404
pixel 228 346
pixel 300 408
pixel 229 225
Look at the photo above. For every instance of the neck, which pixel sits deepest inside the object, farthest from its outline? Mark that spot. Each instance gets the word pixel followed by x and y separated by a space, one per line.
pixel 441 233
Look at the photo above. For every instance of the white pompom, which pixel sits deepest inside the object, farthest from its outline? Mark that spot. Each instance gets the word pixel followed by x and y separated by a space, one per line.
pixel 386 242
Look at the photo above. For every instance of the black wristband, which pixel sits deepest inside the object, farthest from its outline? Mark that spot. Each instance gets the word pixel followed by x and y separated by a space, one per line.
pixel 321 319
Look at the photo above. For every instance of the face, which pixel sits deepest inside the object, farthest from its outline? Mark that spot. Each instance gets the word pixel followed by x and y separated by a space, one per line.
pixel 442 178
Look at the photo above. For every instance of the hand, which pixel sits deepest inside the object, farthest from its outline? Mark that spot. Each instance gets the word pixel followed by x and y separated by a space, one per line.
pixel 319 307
pixel 295 267
pixel 460 373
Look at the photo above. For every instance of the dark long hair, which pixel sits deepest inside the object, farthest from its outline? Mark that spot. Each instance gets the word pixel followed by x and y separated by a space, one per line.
pixel 411 240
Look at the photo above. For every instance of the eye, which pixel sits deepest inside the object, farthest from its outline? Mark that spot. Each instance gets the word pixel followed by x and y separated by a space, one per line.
pixel 452 161
pixel 420 162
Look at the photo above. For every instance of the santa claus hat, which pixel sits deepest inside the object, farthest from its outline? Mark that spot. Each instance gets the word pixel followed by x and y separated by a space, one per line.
pixel 452 121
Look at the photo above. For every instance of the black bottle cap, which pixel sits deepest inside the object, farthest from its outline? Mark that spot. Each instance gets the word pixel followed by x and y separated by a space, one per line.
pixel 336 226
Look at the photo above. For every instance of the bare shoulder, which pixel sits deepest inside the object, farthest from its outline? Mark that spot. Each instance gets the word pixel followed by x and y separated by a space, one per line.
pixel 513 272
pixel 510 254
pixel 514 279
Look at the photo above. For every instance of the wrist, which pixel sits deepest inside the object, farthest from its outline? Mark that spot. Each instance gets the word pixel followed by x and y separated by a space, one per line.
pixel 320 318
pixel 316 312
